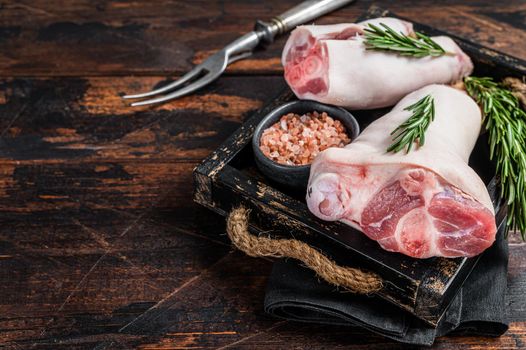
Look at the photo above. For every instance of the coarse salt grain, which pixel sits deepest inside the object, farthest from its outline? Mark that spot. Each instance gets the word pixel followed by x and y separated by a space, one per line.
pixel 297 140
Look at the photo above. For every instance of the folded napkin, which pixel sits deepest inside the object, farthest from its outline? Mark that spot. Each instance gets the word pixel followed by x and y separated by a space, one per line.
pixel 295 293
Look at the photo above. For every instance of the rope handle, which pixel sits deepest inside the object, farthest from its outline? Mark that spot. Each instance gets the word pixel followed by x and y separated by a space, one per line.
pixel 349 278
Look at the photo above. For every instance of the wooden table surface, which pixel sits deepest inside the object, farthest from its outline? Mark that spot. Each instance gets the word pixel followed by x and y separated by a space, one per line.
pixel 101 246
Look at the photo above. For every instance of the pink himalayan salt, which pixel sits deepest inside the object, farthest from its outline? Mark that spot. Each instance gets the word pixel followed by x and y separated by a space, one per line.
pixel 297 140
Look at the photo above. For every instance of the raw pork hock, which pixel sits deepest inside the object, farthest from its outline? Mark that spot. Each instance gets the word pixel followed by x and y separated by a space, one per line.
pixel 426 203
pixel 329 64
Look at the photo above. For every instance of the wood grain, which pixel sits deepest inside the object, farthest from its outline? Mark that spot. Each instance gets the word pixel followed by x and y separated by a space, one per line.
pixel 101 246
pixel 166 37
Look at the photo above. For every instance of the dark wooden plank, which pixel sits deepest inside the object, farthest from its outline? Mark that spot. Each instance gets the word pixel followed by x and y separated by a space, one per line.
pixel 85 119
pixel 166 37
pixel 68 276
pixel 97 226
pixel 82 252
pixel 223 310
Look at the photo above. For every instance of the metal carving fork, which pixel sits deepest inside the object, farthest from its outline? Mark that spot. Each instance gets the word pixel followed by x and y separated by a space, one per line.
pixel 264 32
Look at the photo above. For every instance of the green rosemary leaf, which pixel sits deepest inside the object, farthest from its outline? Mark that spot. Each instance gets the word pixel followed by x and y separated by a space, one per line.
pixel 387 39
pixel 414 129
pixel 505 121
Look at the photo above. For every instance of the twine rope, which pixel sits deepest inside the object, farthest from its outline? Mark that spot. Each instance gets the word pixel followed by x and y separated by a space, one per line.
pixel 351 279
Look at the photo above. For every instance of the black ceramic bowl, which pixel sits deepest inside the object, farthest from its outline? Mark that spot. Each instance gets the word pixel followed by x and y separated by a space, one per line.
pixel 296 176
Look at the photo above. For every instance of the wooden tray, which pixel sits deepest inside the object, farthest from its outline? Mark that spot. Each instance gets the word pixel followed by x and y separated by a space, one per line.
pixel 229 178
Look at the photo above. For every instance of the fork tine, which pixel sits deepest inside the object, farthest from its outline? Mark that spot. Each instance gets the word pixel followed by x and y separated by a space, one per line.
pixel 183 91
pixel 240 56
pixel 185 78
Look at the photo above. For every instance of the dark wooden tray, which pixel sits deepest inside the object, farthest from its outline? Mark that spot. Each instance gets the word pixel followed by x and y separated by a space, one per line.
pixel 229 178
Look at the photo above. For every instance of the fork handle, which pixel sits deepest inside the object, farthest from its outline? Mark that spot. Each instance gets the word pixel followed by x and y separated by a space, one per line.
pixel 300 14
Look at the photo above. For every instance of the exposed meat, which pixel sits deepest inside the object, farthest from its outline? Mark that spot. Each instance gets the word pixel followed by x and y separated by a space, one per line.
pixel 426 203
pixel 329 63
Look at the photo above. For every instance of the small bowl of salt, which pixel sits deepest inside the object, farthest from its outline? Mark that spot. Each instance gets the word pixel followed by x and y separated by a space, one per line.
pixel 287 140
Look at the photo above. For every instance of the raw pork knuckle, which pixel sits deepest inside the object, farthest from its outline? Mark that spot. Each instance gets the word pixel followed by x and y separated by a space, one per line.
pixel 329 64
pixel 426 203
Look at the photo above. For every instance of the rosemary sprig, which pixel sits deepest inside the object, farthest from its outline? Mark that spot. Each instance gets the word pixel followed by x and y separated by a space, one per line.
pixel 414 129
pixel 387 39
pixel 505 122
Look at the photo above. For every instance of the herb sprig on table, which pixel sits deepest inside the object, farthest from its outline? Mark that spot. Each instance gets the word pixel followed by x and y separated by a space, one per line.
pixel 414 129
pixel 387 39
pixel 505 121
